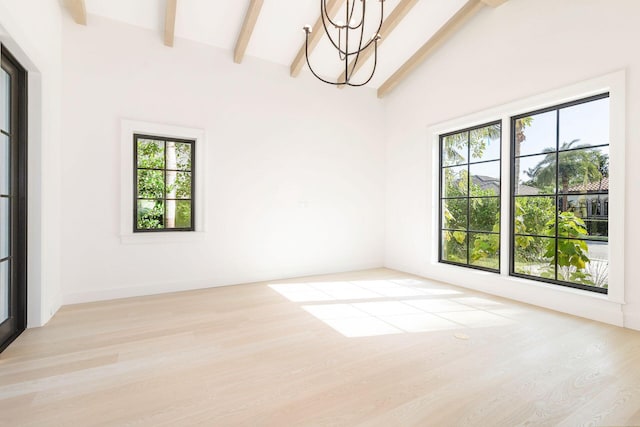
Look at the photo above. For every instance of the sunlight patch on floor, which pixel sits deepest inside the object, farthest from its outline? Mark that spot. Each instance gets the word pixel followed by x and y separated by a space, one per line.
pixel 382 307
pixel 363 289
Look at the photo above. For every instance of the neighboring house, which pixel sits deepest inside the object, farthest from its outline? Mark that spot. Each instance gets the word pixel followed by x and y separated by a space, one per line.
pixel 591 203
pixel 492 183
pixel 594 205
pixel 487 183
pixel 527 190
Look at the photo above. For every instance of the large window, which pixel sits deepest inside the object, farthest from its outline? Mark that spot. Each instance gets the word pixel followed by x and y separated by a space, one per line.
pixel 163 184
pixel 560 189
pixel 470 197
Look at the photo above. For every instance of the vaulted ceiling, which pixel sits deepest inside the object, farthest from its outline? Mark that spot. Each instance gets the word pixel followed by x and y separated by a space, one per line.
pixel 272 29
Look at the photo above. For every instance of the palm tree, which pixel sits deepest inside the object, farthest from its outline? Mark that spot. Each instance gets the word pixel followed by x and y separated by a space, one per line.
pixel 520 126
pixel 573 165
pixel 601 161
pixel 476 141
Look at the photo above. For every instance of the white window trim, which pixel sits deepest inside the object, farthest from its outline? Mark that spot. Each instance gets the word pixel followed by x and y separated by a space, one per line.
pixel 583 303
pixel 128 129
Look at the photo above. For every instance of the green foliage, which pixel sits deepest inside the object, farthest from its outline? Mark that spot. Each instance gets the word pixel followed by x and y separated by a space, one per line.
pixel 535 217
pixel 572 255
pixel 455 182
pixel 150 184
pixel 532 215
pixel 456 146
pixel 485 212
pixel 183 214
pixel 485 216
pixel 183 156
pixel 150 154
pixel 455 246
pixel 150 214
pixel 574 167
pixel 181 186
pixel 486 250
pixel 155 185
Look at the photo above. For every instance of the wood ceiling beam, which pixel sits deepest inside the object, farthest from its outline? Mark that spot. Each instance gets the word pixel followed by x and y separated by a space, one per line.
pixel 78 10
pixel 318 31
pixel 389 24
pixel 466 12
pixel 249 24
pixel 170 22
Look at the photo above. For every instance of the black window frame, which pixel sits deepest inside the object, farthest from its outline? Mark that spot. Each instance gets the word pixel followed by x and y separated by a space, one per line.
pixel 468 231
pixel 18 138
pixel 192 171
pixel 557 195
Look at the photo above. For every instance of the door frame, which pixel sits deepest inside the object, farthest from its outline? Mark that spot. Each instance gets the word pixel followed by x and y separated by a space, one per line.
pixel 17 322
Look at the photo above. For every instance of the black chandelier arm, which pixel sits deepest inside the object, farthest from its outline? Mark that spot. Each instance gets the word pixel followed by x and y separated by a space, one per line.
pixel 340 55
pixel 375 64
pixel 306 48
pixel 343 52
pixel 350 16
pixel 381 17
pixel 346 36
pixel 347 75
pixel 324 15
pixel 363 14
pixel 355 52
pixel 364 3
pixel 368 43
pixel 377 33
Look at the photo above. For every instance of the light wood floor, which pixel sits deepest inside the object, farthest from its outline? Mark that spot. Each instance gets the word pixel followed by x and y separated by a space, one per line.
pixel 373 348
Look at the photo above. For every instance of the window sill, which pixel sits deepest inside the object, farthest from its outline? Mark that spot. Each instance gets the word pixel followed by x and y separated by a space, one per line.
pixel 577 302
pixel 559 288
pixel 455 270
pixel 160 237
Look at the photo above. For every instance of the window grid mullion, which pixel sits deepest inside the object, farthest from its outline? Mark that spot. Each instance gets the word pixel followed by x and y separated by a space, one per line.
pixel 163 198
pixel 561 199
pixel 468 194
pixel 557 198
pixel 467 197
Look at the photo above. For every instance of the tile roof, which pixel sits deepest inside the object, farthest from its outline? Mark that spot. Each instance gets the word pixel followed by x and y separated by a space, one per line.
pixel 591 186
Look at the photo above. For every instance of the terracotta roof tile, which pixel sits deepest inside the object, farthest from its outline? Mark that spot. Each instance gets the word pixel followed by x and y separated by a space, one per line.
pixel 591 186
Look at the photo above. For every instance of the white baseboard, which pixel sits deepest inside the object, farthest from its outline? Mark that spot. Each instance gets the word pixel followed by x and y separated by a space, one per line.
pixel 632 318
pixel 565 300
pixel 168 287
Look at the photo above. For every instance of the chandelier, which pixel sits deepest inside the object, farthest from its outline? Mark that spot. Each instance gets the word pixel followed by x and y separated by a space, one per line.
pixel 345 31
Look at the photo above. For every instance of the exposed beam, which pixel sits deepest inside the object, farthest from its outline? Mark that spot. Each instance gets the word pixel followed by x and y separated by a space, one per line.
pixel 78 10
pixel 470 8
pixel 389 24
pixel 250 20
pixel 318 31
pixel 494 3
pixel 170 22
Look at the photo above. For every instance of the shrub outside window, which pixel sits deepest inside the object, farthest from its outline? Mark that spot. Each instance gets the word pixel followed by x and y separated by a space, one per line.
pixel 560 194
pixel 163 184
pixel 470 197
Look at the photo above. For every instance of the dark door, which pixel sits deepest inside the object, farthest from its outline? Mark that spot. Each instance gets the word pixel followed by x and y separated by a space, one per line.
pixel 13 199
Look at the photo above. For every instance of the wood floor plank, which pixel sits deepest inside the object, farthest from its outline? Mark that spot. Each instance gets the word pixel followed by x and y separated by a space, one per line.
pixel 368 348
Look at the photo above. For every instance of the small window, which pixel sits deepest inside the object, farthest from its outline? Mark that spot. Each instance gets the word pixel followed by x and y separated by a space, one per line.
pixel 163 184
pixel 560 170
pixel 470 197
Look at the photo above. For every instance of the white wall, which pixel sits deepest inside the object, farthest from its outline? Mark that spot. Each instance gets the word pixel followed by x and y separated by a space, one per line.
pixel 31 30
pixel 518 50
pixel 294 168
